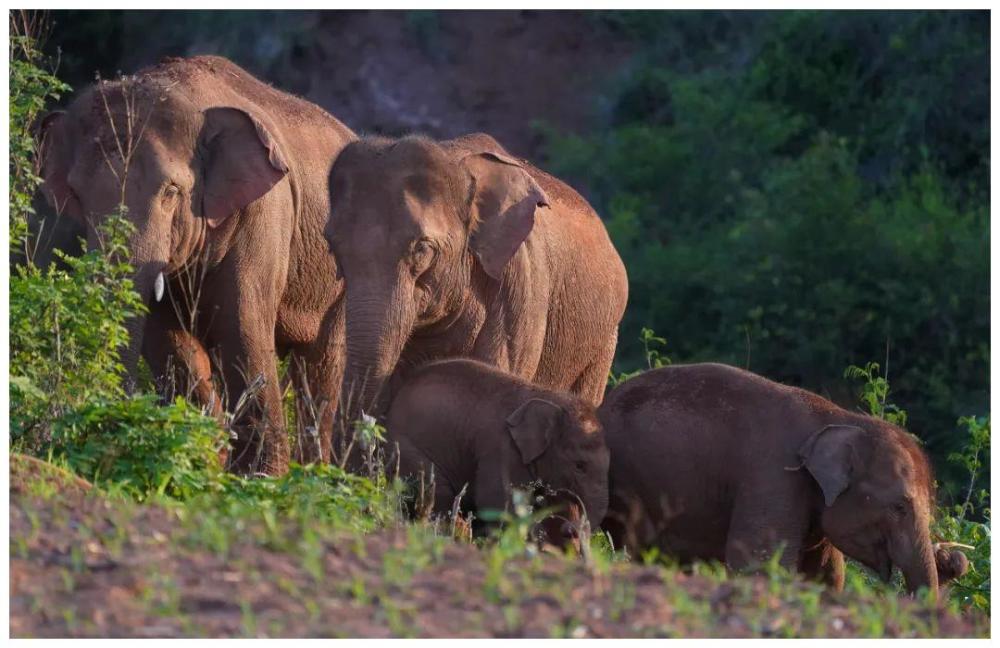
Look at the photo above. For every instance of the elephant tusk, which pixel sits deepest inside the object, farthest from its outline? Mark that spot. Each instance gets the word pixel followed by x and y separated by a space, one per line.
pixel 948 545
pixel 158 286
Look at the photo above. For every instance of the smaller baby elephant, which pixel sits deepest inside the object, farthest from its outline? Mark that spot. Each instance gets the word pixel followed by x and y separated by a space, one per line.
pixel 710 462
pixel 487 431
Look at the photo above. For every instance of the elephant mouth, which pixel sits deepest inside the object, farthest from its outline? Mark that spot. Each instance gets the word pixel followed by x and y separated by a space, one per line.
pixel 883 562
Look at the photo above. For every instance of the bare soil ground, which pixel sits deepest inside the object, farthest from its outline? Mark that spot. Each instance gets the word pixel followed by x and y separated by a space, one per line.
pixel 84 564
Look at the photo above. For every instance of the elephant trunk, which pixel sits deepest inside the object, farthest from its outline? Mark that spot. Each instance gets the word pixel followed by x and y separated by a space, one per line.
pixel 148 282
pixel 913 553
pixel 376 331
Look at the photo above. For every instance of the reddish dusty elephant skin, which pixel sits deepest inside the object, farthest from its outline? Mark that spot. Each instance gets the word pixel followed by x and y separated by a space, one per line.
pixel 487 431
pixel 225 180
pixel 712 462
pixel 457 249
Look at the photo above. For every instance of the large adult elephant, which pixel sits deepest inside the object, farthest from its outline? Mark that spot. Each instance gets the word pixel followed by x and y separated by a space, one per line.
pixel 456 248
pixel 225 180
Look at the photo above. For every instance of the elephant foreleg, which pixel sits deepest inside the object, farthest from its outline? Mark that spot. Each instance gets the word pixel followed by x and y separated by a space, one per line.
pixel 317 372
pixel 765 519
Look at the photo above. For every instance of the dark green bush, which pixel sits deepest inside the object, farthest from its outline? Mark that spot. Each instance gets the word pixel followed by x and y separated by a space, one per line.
pixel 142 447
pixel 796 192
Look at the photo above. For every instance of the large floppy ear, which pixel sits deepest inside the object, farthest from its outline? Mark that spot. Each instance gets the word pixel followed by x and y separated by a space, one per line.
pixel 56 159
pixel 505 199
pixel 532 426
pixel 240 162
pixel 831 456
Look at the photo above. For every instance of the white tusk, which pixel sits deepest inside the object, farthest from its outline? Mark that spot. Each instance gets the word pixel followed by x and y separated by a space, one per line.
pixel 948 545
pixel 158 287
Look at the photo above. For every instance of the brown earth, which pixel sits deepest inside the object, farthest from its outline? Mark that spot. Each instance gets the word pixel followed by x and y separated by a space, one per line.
pixel 85 565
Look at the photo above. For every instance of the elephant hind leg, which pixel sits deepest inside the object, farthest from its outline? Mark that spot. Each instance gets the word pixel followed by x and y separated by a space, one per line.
pixel 593 380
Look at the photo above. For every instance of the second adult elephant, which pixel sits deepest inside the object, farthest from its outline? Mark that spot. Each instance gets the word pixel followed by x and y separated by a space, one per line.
pixel 456 248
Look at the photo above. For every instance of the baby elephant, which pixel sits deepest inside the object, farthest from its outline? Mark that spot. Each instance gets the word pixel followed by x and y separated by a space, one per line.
pixel 485 430
pixel 713 462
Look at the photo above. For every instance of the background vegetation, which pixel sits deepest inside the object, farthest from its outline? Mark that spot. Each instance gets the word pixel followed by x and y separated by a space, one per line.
pixel 792 192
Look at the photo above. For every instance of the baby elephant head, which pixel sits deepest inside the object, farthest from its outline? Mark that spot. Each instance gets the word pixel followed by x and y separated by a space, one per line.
pixel 567 527
pixel 951 563
pixel 562 445
pixel 876 485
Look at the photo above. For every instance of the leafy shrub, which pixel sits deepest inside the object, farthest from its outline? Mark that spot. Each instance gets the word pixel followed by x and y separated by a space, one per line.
pixel 66 328
pixel 143 447
pixel 31 86
pixel 316 491
pixel 653 346
pixel 958 523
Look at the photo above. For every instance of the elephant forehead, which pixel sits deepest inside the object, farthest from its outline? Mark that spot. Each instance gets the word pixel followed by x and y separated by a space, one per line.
pixel 589 425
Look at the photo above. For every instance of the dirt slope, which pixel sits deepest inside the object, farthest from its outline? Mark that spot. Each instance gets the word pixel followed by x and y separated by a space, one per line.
pixel 83 564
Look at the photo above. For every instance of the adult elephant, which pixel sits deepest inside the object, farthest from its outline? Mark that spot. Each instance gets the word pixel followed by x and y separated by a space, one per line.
pixel 225 181
pixel 456 248
pixel 710 462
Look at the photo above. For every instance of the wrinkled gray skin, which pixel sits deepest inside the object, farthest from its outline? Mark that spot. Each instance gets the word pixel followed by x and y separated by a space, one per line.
pixel 226 186
pixel 482 427
pixel 712 462
pixel 456 249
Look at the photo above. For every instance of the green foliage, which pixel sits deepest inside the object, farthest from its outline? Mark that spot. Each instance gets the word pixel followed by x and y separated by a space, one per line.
pixel 653 346
pixel 959 523
pixel 31 87
pixel 791 190
pixel 142 447
pixel 67 326
pixel 874 393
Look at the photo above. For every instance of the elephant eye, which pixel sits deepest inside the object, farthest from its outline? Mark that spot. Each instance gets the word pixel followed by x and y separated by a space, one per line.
pixel 171 191
pixel 422 255
pixel 899 509
pixel 581 466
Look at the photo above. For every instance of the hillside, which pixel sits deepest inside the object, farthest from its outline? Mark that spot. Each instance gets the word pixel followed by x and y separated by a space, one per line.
pixel 85 563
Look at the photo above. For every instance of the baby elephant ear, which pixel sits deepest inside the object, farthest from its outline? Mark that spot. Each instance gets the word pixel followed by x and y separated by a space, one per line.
pixel 830 456
pixel 532 426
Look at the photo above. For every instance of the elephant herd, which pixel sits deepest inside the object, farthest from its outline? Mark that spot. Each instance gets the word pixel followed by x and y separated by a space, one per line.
pixel 471 302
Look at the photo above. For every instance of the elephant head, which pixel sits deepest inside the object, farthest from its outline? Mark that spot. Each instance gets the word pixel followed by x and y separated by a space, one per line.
pixel 178 168
pixel 562 446
pixel 877 489
pixel 413 224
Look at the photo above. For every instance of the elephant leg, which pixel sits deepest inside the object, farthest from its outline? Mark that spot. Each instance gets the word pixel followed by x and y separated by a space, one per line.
pixel 592 383
pixel 317 371
pixel 246 352
pixel 178 361
pixel 764 520
pixel 824 563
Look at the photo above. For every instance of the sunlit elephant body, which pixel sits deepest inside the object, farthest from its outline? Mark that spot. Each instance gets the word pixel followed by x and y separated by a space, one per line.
pixel 225 181
pixel 457 249
pixel 712 462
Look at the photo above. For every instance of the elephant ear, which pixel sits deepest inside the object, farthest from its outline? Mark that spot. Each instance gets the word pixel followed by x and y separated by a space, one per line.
pixel 241 162
pixel 831 457
pixel 505 199
pixel 56 162
pixel 532 426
